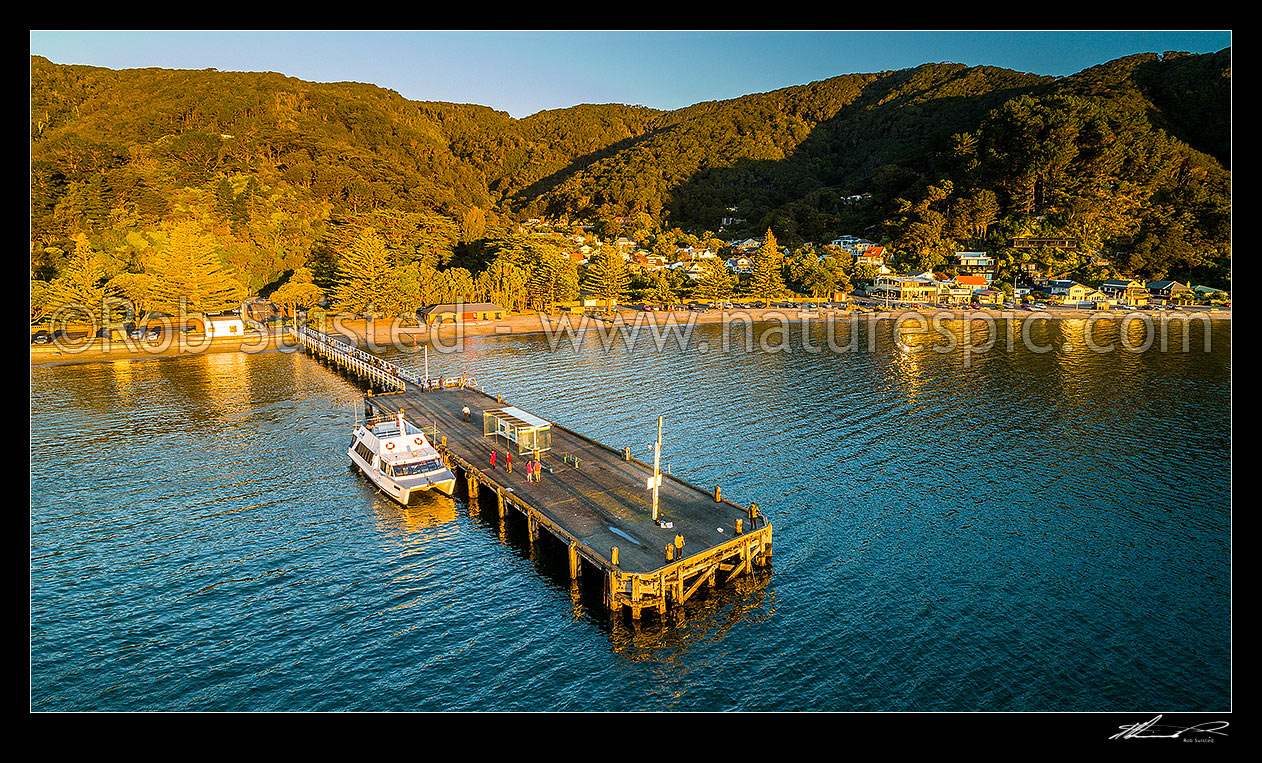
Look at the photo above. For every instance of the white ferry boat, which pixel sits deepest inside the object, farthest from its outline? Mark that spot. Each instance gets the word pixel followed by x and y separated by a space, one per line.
pixel 398 458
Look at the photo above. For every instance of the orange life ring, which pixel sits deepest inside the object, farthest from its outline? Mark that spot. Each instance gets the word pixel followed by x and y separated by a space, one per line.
pixel 389 446
pixel 416 440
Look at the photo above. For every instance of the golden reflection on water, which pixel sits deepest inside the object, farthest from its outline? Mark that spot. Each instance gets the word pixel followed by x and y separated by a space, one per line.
pixel 705 620
pixel 124 383
pixel 426 511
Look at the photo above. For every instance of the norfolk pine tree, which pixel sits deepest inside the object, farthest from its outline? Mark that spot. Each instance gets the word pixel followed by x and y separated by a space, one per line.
pixel 716 284
pixel 363 272
pixel 767 282
pixel 190 277
pixel 607 276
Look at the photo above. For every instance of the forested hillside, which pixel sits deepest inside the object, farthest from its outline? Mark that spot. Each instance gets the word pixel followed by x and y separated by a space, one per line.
pixel 277 177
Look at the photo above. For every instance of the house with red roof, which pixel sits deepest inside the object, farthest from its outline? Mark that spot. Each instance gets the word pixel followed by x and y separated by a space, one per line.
pixel 972 282
pixel 873 255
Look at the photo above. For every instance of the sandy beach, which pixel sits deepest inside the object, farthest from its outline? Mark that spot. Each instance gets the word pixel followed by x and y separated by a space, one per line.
pixel 408 335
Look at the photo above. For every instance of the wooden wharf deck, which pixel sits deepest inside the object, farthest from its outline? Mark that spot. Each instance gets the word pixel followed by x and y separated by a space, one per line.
pixel 592 498
pixel 376 373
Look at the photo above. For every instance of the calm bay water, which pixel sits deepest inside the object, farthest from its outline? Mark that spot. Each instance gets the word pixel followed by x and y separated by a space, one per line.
pixel 1024 531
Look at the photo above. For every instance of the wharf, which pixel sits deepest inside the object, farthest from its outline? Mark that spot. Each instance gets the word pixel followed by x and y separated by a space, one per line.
pixel 593 499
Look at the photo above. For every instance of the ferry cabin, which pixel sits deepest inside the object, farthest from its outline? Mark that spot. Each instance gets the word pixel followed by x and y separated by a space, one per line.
pixel 399 459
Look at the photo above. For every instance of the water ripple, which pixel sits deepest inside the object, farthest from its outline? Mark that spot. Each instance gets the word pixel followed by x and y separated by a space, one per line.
pixel 991 536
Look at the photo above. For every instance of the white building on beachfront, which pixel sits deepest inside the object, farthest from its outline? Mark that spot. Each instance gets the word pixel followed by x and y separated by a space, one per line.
pixel 224 327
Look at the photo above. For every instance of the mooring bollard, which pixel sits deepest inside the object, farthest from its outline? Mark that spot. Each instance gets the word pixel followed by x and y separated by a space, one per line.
pixel 613 556
pixel 670 552
pixel 718 494
pixel 626 454
pixel 738 526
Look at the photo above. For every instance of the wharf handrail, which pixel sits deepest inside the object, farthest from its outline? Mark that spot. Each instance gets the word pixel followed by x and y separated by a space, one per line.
pixel 373 365
pixel 382 370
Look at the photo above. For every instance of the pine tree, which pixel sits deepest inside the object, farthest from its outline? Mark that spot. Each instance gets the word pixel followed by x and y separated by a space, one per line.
pixel 545 283
pixel 550 275
pixel 662 292
pixel 607 277
pixel 363 273
pixel 82 283
pixel 224 198
pixel 716 284
pixel 189 276
pixel 767 282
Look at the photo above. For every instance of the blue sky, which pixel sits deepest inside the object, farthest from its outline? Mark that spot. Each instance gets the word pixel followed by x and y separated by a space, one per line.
pixel 525 72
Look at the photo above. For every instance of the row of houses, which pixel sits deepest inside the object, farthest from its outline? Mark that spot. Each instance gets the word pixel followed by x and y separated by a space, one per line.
pixel 923 287
pixel 976 270
pixel 1121 291
pixel 965 288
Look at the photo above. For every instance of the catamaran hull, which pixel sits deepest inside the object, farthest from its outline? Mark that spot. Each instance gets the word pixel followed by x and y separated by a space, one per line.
pixel 402 494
